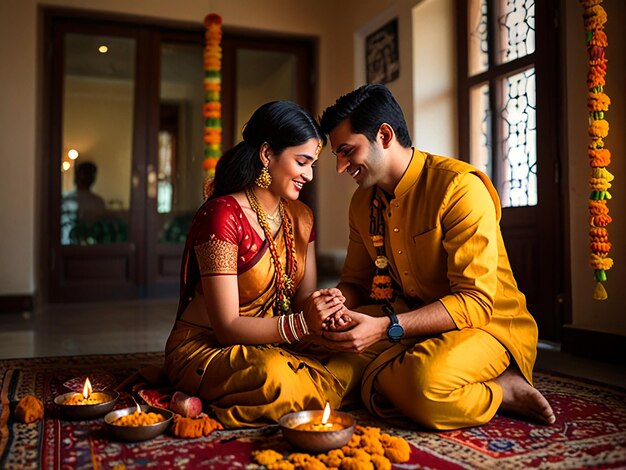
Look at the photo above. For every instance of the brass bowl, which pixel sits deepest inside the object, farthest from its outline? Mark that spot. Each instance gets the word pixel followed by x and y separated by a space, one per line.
pixel 85 412
pixel 138 433
pixel 316 441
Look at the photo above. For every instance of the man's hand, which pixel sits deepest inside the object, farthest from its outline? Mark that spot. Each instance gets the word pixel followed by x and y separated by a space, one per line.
pixel 363 331
pixel 324 307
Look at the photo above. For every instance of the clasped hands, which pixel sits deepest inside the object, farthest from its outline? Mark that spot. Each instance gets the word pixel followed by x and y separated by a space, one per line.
pixel 335 327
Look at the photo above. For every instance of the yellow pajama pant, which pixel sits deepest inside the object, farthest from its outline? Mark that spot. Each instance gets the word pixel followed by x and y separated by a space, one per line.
pixel 445 382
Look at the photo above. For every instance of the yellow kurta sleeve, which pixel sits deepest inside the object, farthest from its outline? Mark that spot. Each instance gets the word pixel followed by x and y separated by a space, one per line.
pixel 470 230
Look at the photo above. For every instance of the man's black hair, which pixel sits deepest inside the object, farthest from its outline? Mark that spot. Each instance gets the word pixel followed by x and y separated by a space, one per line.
pixel 367 108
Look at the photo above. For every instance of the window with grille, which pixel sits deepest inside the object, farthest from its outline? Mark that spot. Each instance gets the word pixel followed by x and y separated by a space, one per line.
pixel 500 89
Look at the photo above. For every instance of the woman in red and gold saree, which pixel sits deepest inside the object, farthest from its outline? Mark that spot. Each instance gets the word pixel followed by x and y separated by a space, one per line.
pixel 236 341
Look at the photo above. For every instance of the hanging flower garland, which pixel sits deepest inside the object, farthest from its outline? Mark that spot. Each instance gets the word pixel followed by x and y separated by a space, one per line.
pixel 598 102
pixel 212 110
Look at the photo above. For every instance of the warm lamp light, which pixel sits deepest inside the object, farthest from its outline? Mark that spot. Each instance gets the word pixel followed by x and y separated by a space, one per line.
pixel 65 166
pixel 103 49
pixel 72 154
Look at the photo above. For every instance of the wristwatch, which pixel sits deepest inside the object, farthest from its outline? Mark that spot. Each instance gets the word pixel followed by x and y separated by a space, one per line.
pixel 395 332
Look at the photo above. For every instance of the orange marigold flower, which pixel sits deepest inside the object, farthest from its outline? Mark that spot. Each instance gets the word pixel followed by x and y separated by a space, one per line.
pixel 598 207
pixel 209 163
pixel 212 18
pixel 599 128
pixel 599 247
pixel 396 449
pixel 598 234
pixel 381 462
pixel 599 38
pixel 595 79
pixel 589 3
pixel 601 220
pixel 599 157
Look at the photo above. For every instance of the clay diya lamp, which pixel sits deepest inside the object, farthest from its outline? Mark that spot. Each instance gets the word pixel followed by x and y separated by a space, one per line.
pixel 86 405
pixel 138 423
pixel 316 430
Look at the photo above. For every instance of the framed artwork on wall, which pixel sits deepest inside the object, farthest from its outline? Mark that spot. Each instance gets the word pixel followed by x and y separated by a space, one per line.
pixel 381 54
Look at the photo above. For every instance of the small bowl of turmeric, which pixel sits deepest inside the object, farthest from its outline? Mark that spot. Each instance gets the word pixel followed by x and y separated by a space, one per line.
pixel 138 423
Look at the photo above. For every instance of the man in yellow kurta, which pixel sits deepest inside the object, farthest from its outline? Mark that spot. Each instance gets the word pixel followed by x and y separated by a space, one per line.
pixel 454 342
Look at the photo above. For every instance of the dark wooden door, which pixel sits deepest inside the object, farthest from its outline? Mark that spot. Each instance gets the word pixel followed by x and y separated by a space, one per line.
pixel 134 110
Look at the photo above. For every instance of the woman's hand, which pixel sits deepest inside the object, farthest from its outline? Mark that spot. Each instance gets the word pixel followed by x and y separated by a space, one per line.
pixel 364 331
pixel 322 305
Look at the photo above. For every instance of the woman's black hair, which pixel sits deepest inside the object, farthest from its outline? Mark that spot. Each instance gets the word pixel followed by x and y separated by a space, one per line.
pixel 367 108
pixel 280 124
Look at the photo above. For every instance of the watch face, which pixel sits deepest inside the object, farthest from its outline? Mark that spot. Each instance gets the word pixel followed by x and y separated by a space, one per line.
pixel 395 332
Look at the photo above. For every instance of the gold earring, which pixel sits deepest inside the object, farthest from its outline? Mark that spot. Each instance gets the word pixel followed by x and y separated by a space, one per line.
pixel 264 179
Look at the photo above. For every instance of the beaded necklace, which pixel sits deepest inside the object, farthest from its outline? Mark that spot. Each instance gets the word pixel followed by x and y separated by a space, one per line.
pixel 284 280
pixel 382 285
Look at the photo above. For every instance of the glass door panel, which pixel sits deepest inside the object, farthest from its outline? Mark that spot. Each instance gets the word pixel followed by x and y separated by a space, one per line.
pixel 96 161
pixel 179 175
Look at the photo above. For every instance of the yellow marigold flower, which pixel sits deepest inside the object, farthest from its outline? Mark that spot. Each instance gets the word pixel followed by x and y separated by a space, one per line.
pixel 599 184
pixel 599 128
pixel 265 457
pixel 358 454
pixel 372 445
pixel 381 462
pixel 298 458
pixel 595 17
pixel 355 441
pixel 598 102
pixel 603 173
pixel 281 465
pixel 350 463
pixel 596 143
pixel 331 459
pixel 313 464
pixel 597 261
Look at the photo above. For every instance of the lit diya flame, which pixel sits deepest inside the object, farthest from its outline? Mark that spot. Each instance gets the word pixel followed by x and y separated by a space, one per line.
pixel 323 426
pixel 88 397
pixel 326 415
pixel 87 389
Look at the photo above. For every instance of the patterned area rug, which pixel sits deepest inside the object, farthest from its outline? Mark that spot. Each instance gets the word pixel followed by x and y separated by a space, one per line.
pixel 590 431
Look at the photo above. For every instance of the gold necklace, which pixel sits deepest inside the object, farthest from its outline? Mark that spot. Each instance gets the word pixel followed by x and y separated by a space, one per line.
pixel 284 280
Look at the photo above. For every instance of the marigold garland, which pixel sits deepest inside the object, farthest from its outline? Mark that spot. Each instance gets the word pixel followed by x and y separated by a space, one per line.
pixel 212 109
pixel 594 18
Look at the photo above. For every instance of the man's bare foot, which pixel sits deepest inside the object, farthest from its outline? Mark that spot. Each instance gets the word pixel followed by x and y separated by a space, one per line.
pixel 521 398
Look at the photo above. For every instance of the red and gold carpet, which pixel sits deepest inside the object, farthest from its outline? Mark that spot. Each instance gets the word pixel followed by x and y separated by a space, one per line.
pixel 590 431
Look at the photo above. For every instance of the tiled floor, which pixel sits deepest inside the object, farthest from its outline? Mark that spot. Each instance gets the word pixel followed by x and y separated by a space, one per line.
pixel 143 326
